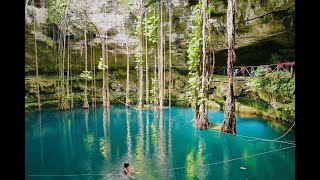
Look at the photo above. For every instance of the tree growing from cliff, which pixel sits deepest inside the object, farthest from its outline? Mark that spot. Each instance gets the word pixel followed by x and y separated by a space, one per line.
pixel 138 30
pixel 229 122
pixel 160 55
pixel 86 73
pixel 170 39
pixel 151 25
pixel 36 59
pixel 58 15
pixel 199 64
pixel 146 55
pixel 128 70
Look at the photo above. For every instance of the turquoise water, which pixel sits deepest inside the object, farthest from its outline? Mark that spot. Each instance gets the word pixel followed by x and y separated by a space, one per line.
pixel 94 144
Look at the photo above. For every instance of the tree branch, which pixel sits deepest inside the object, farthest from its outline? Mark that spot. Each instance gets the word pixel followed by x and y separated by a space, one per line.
pixel 93 23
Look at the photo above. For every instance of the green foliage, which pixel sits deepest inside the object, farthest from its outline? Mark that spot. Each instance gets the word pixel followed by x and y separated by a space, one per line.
pixel 70 13
pixel 154 91
pixel 56 11
pixel 138 51
pixel 151 26
pixel 277 88
pixel 86 75
pixel 101 65
pixel 209 9
pixel 194 51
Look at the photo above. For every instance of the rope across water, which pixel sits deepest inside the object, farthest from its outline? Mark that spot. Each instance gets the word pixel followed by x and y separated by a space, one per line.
pixel 183 167
pixel 240 136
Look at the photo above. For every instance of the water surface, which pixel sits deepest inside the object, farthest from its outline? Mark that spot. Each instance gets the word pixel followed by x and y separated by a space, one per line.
pixel 94 144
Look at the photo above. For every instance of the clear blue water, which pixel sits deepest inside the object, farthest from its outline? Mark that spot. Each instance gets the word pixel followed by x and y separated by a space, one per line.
pixel 94 144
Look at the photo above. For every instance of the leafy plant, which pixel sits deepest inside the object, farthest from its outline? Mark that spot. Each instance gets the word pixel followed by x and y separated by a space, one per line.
pixel 86 75
pixel 101 65
pixel 151 26
pixel 277 88
pixel 194 50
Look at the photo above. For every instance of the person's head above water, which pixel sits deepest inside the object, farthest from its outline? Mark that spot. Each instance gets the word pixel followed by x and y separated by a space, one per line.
pixel 125 165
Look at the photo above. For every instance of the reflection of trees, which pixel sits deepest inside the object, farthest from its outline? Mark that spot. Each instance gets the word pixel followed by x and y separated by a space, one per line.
pixel 169 146
pixel 64 137
pixel 70 120
pixel 201 171
pixel 94 117
pixel 89 137
pixel 139 150
pixel 226 156
pixel 86 116
pixel 194 170
pixel 161 146
pixel 129 145
pixel 104 142
pixel 190 166
pixel 40 137
pixel 154 134
pixel 169 137
pixel 147 133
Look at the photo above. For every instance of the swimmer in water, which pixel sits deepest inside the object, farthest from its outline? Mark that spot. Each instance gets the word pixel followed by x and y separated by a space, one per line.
pixel 127 171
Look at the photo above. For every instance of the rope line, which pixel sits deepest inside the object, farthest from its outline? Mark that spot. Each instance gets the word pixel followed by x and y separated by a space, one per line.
pixel 183 167
pixel 225 161
pixel 239 135
pixel 262 139
pixel 270 140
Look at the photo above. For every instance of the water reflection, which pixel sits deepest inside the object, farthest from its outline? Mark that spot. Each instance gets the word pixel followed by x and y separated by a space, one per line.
pixel 225 156
pixel 154 133
pixel 139 153
pixel 147 134
pixel 190 165
pixel 105 146
pixel 201 160
pixel 70 120
pixel 129 145
pixel 40 138
pixel 169 136
pixel 161 144
pixel 64 137
pixel 86 116
pixel 195 161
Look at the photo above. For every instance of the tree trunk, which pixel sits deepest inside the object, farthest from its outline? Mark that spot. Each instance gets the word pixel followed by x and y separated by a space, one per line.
pixel 62 70
pixel 37 73
pixel 71 82
pixel 161 60
pixel 68 71
pixel 170 65
pixel 64 102
pixel 155 98
pixel 94 89
pixel 164 60
pixel 201 117
pixel 140 95
pixel 229 123
pixel 147 70
pixel 107 77
pixel 128 68
pixel 158 56
pixel 59 69
pixel 104 97
pixel 85 103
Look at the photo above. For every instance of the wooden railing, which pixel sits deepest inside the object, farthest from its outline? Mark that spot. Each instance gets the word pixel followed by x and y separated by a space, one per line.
pixel 250 71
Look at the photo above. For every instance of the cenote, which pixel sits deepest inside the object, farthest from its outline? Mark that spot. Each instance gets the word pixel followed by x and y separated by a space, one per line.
pixel 94 143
